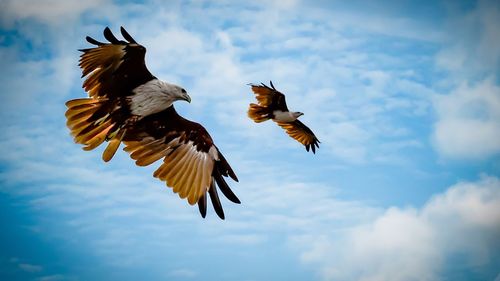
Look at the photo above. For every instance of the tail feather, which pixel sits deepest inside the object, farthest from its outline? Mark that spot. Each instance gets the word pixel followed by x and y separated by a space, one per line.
pixel 92 127
pixel 258 113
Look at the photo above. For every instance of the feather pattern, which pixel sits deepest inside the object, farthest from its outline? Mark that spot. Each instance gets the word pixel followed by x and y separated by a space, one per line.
pixel 192 165
pixel 301 133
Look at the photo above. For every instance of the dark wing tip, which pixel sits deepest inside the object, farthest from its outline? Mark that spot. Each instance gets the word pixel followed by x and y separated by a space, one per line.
pixel 226 190
pixel 313 145
pixel 233 176
pixel 202 205
pixel 272 86
pixel 214 197
pixel 110 36
pixel 93 41
pixel 126 35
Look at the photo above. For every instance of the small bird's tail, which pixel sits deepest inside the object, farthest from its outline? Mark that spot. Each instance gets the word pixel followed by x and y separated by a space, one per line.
pixel 91 126
pixel 258 113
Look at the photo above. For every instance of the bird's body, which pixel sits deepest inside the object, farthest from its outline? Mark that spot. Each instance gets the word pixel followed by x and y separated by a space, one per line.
pixel 272 105
pixel 128 104
pixel 284 116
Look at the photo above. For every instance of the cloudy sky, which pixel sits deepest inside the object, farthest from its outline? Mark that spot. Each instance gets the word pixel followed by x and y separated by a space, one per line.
pixel 404 96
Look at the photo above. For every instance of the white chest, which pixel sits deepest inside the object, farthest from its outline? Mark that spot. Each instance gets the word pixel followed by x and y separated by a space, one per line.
pixel 149 98
pixel 280 116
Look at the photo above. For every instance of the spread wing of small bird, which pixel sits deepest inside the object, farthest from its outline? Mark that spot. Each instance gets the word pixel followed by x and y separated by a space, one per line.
pixel 128 104
pixel 272 105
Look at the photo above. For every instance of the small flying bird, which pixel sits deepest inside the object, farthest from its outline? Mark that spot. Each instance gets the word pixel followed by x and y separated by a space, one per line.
pixel 272 105
pixel 128 104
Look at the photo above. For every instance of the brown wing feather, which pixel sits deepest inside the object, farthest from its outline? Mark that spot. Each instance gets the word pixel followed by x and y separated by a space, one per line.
pixel 192 164
pixel 263 94
pixel 113 69
pixel 269 97
pixel 301 133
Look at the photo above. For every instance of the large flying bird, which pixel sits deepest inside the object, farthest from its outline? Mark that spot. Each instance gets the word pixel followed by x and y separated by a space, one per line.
pixel 272 105
pixel 128 104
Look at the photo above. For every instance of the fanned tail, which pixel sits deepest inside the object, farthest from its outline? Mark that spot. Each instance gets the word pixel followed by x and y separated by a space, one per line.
pixel 91 126
pixel 258 113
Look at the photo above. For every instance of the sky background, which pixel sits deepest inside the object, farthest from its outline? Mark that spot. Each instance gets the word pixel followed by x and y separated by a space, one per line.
pixel 404 96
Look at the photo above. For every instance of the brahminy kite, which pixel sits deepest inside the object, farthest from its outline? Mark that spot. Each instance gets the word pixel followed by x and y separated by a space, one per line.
pixel 128 104
pixel 272 105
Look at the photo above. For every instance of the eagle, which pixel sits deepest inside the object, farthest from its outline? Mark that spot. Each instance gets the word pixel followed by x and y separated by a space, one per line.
pixel 272 105
pixel 127 104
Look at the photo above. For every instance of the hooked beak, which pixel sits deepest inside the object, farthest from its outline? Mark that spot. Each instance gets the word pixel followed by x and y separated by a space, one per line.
pixel 186 97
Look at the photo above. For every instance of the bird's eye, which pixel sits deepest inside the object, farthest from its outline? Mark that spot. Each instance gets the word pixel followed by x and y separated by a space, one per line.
pixel 183 91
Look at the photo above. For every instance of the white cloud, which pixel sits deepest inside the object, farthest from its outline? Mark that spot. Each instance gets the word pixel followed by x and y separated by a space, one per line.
pixel 54 277
pixel 31 268
pixel 410 243
pixel 468 124
pixel 183 273
pixel 473 44
pixel 46 11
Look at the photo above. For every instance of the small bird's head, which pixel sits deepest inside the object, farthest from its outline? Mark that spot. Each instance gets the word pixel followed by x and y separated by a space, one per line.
pixel 297 114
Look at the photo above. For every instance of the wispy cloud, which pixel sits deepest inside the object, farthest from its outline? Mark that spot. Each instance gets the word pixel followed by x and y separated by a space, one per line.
pixel 467 116
pixel 468 125
pixel 473 49
pixel 31 268
pixel 183 273
pixel 55 277
pixel 46 11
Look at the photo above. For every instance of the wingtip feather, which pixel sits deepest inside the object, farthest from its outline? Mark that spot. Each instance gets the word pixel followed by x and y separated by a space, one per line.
pixel 214 197
pixel 108 34
pixel 127 36
pixel 202 205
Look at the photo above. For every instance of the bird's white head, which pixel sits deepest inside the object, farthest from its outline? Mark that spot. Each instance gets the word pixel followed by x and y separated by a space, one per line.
pixel 178 93
pixel 174 91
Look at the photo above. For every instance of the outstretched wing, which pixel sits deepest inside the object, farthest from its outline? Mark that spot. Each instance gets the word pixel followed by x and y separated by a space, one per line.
pixel 113 69
pixel 269 97
pixel 301 133
pixel 192 165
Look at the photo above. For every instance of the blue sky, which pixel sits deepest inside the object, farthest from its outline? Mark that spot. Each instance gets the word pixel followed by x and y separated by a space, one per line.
pixel 404 96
